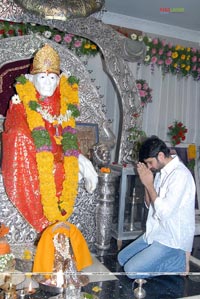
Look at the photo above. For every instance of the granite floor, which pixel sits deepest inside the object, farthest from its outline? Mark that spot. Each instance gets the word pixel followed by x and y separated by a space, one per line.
pixel 162 287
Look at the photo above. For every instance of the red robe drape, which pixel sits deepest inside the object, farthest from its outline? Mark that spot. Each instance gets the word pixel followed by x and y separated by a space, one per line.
pixel 19 168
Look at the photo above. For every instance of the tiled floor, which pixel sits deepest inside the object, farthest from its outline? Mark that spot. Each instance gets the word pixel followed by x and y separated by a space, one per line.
pixel 162 287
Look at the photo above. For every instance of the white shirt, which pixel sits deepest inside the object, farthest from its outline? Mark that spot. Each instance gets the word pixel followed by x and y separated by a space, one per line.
pixel 171 219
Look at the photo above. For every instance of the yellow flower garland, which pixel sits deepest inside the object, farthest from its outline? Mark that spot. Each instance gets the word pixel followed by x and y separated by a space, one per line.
pixel 45 160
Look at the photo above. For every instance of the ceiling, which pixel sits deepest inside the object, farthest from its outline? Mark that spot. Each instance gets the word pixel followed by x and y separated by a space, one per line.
pixel 150 10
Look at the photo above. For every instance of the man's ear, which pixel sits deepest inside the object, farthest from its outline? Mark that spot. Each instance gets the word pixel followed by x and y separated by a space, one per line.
pixel 29 77
pixel 161 156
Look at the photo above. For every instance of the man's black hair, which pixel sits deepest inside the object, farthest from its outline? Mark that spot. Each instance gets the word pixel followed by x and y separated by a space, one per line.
pixel 151 147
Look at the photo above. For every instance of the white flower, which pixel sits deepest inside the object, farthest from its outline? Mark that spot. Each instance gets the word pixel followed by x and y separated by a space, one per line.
pixel 147 58
pixel 140 38
pixel 149 39
pixel 133 36
pixel 52 118
pixel 148 48
pixel 15 99
pixel 67 74
pixel 47 34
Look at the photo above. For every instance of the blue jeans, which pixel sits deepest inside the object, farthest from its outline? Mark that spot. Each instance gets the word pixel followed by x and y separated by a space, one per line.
pixel 141 260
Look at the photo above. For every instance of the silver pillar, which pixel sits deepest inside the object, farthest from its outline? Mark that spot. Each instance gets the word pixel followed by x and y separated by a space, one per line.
pixel 104 210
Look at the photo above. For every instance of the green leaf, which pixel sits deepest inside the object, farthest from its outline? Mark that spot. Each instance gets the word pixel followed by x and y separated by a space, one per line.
pixel 73 79
pixel 69 141
pixel 75 111
pixel 21 79
pixel 41 138
pixel 88 296
pixel 34 105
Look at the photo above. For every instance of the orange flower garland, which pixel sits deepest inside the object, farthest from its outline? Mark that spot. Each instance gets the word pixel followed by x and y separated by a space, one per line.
pixel 55 209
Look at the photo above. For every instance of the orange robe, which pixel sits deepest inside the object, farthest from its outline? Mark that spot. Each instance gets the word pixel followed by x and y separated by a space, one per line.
pixel 44 257
pixel 19 167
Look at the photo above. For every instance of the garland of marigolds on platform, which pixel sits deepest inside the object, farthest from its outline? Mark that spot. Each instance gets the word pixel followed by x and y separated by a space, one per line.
pixel 55 209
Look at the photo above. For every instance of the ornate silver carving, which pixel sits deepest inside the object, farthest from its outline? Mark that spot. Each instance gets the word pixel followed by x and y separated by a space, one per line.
pixel 116 50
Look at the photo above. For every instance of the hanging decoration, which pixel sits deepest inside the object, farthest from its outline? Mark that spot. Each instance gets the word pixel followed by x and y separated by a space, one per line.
pixel 175 59
pixel 79 45
pixel 145 92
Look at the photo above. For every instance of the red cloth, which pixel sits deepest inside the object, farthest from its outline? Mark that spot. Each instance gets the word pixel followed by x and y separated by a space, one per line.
pixel 19 166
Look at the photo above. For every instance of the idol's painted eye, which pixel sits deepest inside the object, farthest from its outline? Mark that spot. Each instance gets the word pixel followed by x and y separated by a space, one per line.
pixel 42 76
pixel 52 76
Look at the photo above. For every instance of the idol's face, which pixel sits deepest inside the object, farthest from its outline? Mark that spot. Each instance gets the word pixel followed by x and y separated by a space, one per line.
pixel 45 83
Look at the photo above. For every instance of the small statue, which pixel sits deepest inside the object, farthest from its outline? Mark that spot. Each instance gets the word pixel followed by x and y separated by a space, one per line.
pixel 100 155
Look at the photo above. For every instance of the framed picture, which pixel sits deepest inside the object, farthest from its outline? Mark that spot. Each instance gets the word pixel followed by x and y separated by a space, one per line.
pixel 88 135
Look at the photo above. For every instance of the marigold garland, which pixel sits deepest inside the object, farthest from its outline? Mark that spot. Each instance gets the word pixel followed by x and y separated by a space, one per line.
pixel 55 209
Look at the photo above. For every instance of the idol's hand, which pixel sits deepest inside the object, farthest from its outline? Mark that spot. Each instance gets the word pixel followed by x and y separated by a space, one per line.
pixel 87 171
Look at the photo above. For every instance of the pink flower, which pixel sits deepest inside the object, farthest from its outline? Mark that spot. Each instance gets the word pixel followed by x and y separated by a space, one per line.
pixel 194 50
pixel 198 70
pixel 77 44
pixel 155 41
pixel 194 59
pixel 57 38
pixel 153 51
pixel 154 59
pixel 194 68
pixel 169 53
pixel 168 61
pixel 160 61
pixel 68 38
pixel 142 93
pixel 170 45
pixel 163 42
pixel 145 86
pixel 160 52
